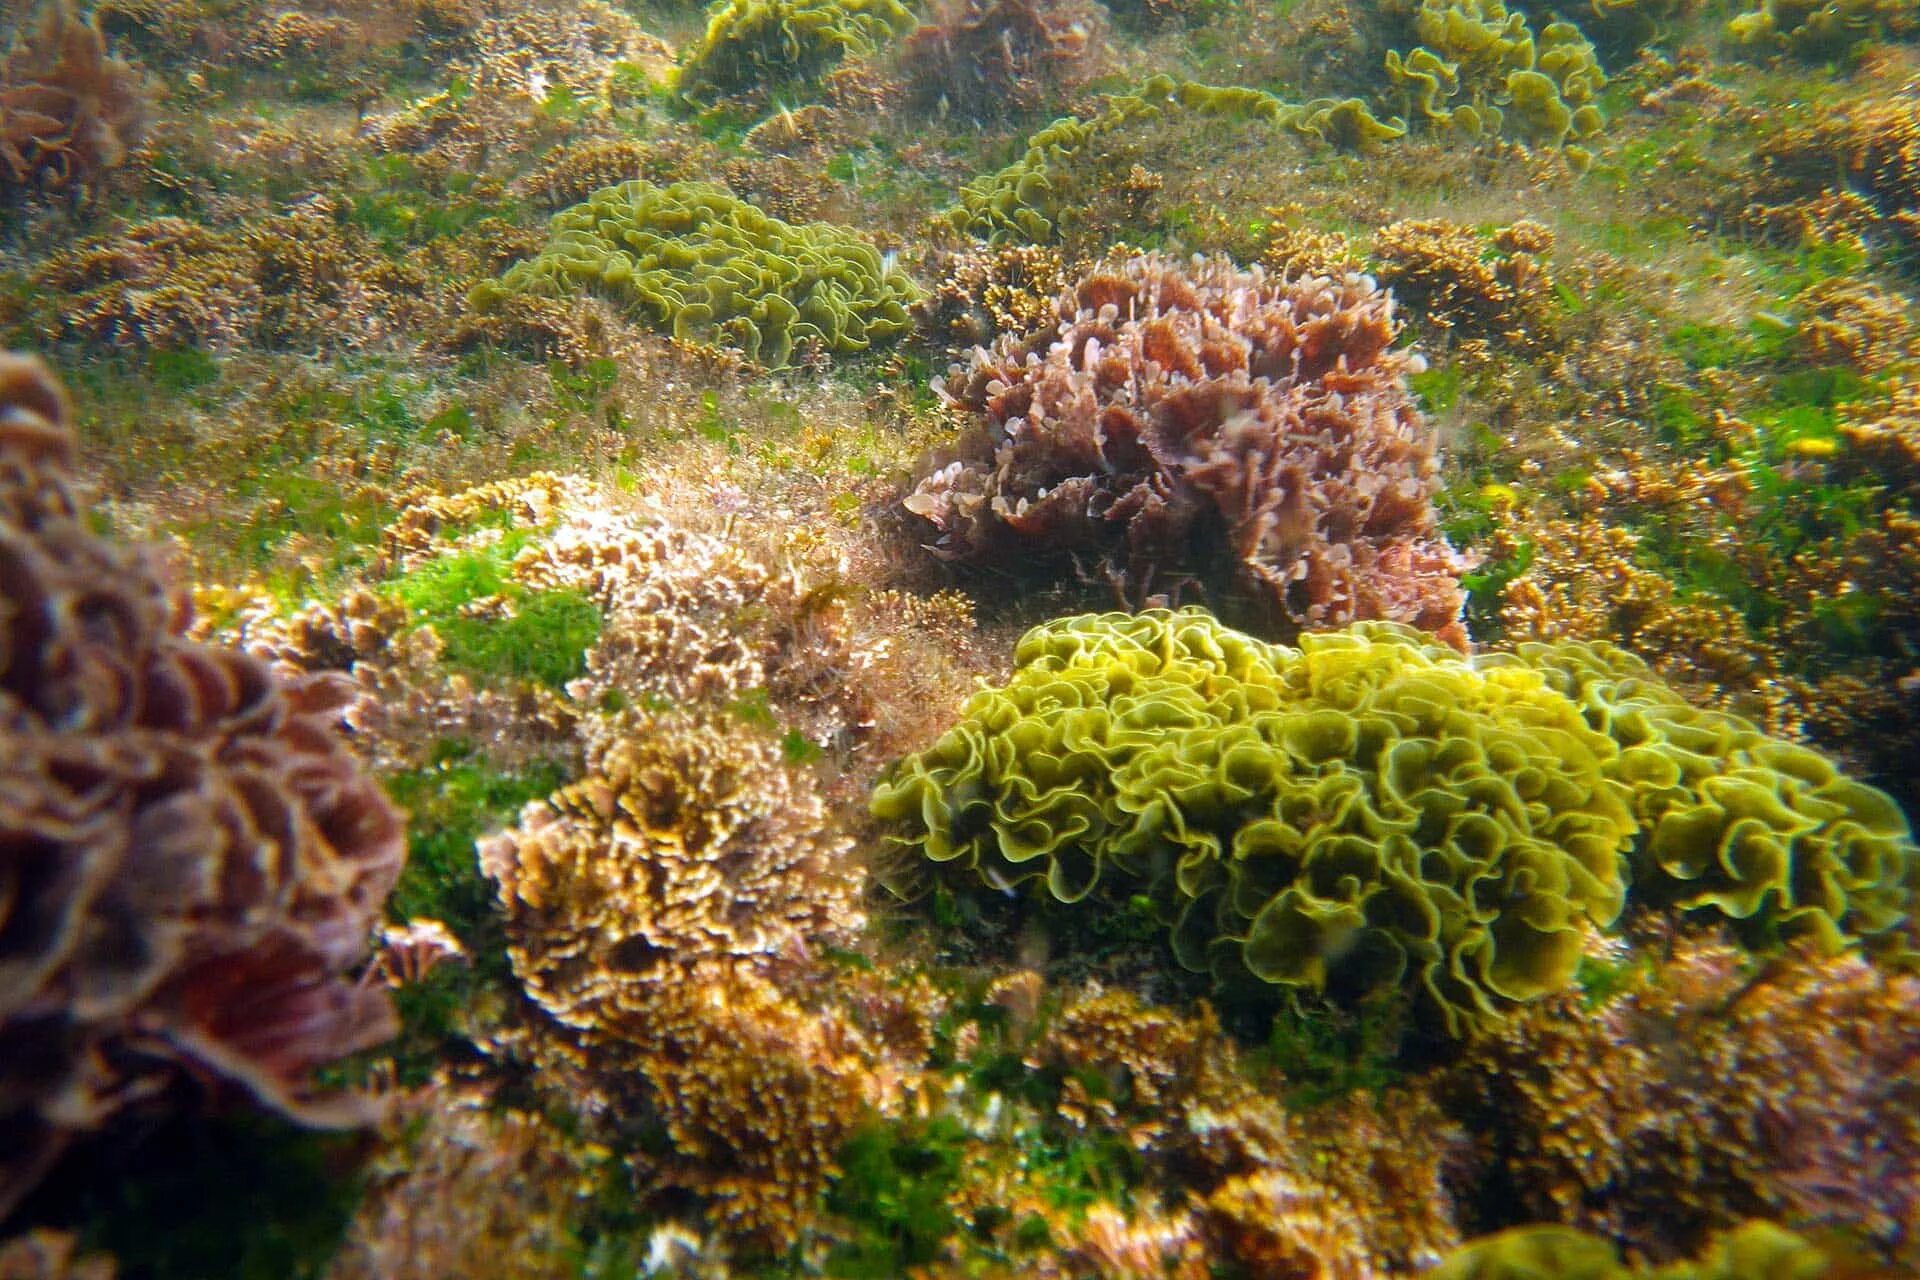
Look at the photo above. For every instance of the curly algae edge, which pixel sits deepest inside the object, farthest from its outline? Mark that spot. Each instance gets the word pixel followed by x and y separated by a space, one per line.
pixel 191 863
pixel 712 269
pixel 1372 811
pixel 784 44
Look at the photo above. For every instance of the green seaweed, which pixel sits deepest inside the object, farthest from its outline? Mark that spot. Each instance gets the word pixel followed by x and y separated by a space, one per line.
pixel 1483 71
pixel 1339 818
pixel 895 1184
pixel 1025 200
pixel 1324 1054
pixel 242 1197
pixel 777 45
pixel 449 805
pixel 707 268
pixel 491 626
pixel 1371 813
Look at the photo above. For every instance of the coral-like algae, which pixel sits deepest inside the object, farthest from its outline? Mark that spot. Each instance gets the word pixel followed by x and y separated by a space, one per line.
pixel 709 268
pixel 192 861
pixel 1789 1108
pixel 1461 281
pixel 1213 425
pixel 68 112
pixel 1372 810
pixel 1862 155
pixel 656 912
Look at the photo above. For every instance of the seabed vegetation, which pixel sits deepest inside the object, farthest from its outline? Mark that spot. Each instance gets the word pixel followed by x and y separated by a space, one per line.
pixel 967 638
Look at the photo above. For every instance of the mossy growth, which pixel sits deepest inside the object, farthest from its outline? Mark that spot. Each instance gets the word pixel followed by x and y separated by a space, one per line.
pixel 1324 1054
pixel 1481 70
pixel 897 1177
pixel 1372 813
pixel 710 269
pixel 1025 200
pixel 450 803
pixel 494 628
pixel 240 1195
pixel 896 1186
pixel 777 45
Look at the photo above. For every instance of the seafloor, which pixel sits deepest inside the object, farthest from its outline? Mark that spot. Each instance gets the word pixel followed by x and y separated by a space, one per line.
pixel 518 755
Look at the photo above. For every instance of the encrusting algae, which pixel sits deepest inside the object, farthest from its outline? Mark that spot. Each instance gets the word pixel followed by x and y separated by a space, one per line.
pixel 1153 639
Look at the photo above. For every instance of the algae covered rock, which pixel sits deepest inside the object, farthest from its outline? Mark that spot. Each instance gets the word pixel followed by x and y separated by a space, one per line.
pixel 711 269
pixel 1373 811
pixel 775 44
pixel 1368 811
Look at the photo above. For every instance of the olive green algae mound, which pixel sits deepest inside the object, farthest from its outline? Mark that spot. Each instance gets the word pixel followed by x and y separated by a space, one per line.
pixel 1755 1250
pixel 1362 812
pixel 1373 811
pixel 785 44
pixel 715 270
pixel 1024 201
pixel 1483 71
pixel 1764 832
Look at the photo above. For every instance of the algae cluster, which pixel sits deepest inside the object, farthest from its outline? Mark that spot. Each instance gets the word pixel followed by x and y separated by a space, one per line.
pixel 1816 29
pixel 1025 200
pixel 1749 1252
pixel 629 538
pixel 770 45
pixel 1373 811
pixel 711 269
pixel 1482 70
